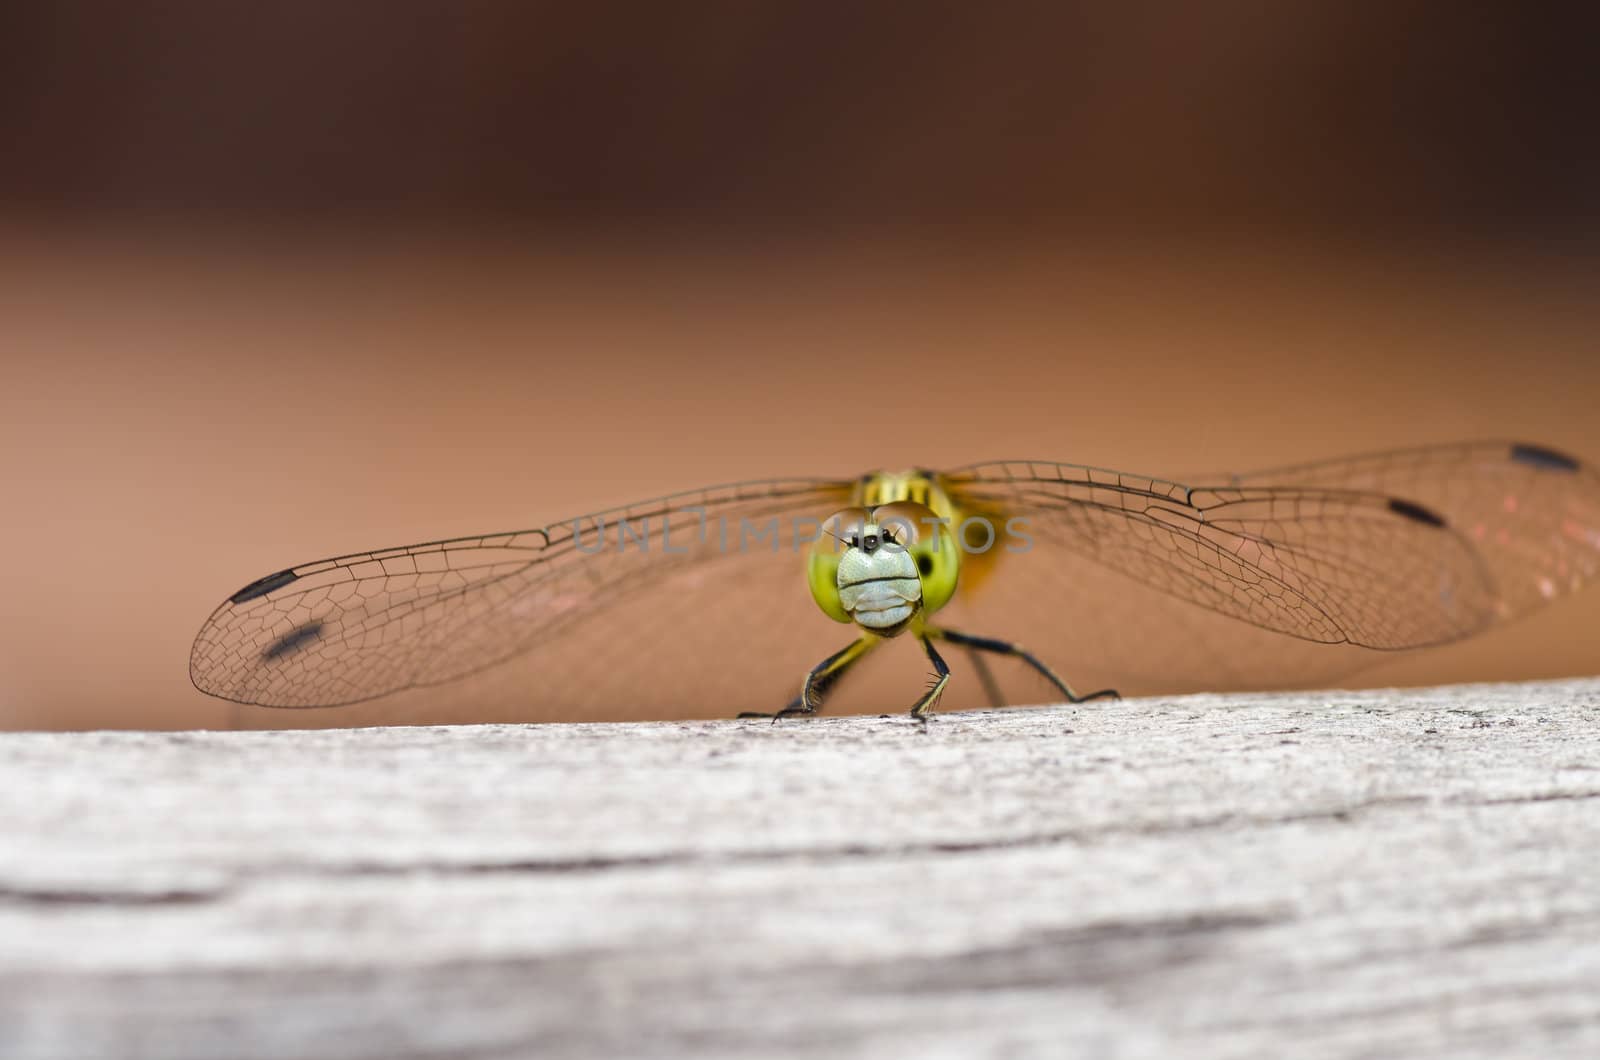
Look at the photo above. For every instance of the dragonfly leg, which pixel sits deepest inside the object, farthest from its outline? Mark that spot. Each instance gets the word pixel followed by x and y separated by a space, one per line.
pixel 991 687
pixel 819 680
pixel 1004 647
pixel 941 677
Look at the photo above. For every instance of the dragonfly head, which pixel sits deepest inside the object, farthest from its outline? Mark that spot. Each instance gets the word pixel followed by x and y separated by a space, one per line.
pixel 878 568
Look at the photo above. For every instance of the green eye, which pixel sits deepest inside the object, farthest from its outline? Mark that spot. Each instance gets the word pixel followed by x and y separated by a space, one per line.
pixel 939 562
pixel 822 574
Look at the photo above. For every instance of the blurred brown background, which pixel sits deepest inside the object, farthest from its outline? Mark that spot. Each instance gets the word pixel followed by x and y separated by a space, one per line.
pixel 282 281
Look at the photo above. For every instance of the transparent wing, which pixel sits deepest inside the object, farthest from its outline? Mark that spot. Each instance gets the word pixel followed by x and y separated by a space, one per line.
pixel 355 627
pixel 1531 514
pixel 1149 584
pixel 1330 566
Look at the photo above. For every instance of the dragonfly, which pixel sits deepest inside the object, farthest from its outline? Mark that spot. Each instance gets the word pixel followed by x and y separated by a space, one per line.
pixel 696 603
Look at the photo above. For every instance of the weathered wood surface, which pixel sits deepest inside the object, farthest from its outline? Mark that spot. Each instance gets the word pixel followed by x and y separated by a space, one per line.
pixel 1332 874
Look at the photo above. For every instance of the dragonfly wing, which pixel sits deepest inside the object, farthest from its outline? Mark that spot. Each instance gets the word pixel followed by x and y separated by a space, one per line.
pixel 1330 566
pixel 356 627
pixel 1155 586
pixel 1532 514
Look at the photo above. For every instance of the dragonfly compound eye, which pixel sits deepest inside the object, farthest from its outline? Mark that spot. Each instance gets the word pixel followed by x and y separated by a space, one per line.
pixel 903 523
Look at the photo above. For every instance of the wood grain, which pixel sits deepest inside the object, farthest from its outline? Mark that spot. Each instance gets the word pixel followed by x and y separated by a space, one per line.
pixel 1311 874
